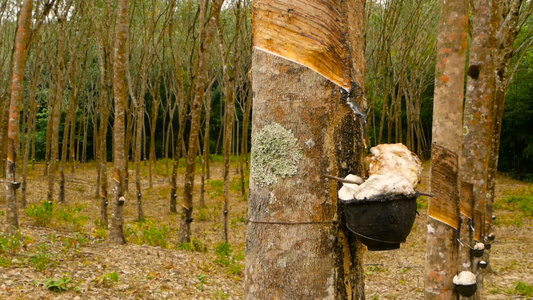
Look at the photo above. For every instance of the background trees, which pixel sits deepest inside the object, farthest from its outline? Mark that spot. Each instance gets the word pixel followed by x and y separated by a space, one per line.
pixel 163 52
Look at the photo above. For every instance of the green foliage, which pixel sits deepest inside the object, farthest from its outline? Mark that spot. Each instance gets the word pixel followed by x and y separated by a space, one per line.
pixel 216 189
pixel 74 242
pixel 524 289
pixel 107 280
pixel 195 245
pixel 236 220
pixel 57 286
pixel 221 295
pixel 225 258
pixel 202 278
pixel 202 214
pixel 5 262
pixel 371 269
pixel 516 146
pixel 422 202
pixel 71 215
pixel 40 214
pixel 42 259
pixel 10 242
pixel 100 233
pixel 147 232
pixel 67 216
pixel 236 185
pixel 223 251
pixel 522 203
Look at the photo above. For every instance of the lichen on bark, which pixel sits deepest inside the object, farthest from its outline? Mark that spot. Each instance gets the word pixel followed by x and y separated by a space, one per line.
pixel 276 153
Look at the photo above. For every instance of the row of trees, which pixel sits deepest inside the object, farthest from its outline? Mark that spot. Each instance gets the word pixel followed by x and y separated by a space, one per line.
pixel 466 132
pixel 177 54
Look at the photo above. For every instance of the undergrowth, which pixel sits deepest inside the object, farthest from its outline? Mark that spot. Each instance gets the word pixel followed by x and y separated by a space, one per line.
pixel 147 232
pixel 49 215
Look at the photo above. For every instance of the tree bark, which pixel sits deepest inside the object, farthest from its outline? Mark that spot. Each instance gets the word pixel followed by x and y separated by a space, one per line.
pixel 302 129
pixel 299 212
pixel 116 234
pixel 478 117
pixel 17 81
pixel 443 220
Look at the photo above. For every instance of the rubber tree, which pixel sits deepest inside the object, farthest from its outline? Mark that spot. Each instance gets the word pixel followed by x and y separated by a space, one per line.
pixel 116 234
pixel 13 132
pixel 443 211
pixel 207 32
pixel 60 77
pixel 307 73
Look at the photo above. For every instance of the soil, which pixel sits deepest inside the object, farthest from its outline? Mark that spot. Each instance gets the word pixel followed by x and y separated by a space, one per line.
pixel 152 265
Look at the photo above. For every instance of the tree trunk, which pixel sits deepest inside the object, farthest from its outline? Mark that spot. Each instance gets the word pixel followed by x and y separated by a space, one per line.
pixel 30 127
pixel 56 107
pixel 17 80
pixel 478 118
pixel 303 129
pixel 443 221
pixel 299 211
pixel 206 36
pixel 116 234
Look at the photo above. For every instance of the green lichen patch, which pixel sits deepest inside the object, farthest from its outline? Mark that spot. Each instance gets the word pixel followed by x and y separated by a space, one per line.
pixel 276 153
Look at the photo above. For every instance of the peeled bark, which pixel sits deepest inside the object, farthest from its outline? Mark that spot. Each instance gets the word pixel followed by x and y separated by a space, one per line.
pixel 17 80
pixel 116 234
pixel 443 220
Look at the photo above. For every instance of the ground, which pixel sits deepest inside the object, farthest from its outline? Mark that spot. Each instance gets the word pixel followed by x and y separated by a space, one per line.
pixel 64 256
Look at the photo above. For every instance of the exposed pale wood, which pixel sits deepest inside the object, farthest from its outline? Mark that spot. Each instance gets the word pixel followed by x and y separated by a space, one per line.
pixel 308 33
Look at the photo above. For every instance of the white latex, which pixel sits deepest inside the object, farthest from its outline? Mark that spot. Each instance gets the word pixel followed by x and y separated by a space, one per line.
pixel 384 185
pixel 394 159
pixel 464 278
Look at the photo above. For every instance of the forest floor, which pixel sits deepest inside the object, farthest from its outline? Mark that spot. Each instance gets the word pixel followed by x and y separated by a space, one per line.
pixel 64 255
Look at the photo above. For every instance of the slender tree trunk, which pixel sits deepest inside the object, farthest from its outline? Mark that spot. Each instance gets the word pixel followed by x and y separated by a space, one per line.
pixel 196 109
pixel 116 234
pixel 70 122
pixel 206 151
pixel 56 107
pixel 178 153
pixel 30 127
pixel 443 221
pixel 17 80
pixel 229 113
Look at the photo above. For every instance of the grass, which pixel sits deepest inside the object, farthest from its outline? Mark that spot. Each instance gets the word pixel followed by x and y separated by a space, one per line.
pixel 226 258
pixel 195 245
pixel 520 206
pixel 147 232
pixel 521 203
pixel 43 258
pixel 48 214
